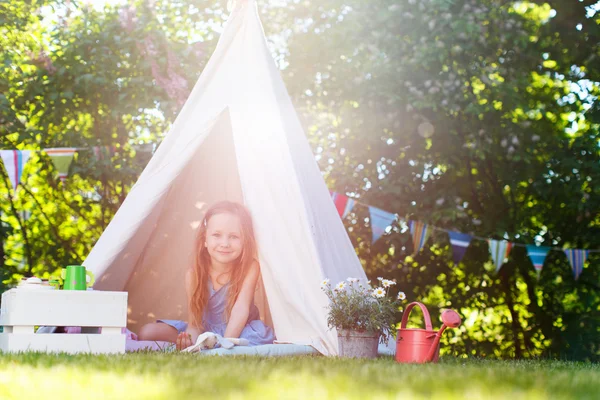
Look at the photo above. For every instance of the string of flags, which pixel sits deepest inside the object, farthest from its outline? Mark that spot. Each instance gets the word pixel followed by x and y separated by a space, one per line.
pixel 420 232
pixel 62 157
pixel 15 160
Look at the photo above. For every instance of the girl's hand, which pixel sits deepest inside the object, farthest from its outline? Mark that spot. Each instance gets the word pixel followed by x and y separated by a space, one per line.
pixel 184 340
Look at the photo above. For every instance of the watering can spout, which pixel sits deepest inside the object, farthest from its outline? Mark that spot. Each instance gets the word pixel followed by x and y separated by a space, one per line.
pixel 422 345
pixel 450 319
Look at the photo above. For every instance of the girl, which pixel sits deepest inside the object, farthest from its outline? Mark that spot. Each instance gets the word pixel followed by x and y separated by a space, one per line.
pixel 221 283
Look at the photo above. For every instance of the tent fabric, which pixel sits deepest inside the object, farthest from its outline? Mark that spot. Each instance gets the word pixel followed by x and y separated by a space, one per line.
pixel 237 138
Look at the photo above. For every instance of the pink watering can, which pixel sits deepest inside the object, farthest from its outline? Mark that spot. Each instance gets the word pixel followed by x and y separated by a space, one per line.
pixel 422 345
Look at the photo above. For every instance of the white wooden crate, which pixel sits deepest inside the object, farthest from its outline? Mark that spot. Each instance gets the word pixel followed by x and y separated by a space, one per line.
pixel 22 309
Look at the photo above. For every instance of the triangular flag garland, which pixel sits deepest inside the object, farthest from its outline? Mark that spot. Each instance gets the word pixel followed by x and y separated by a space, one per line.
pixel 577 258
pixel 14 161
pixel 499 250
pixel 459 242
pixel 537 254
pixel 380 220
pixel 343 203
pixel 61 158
pixel 420 233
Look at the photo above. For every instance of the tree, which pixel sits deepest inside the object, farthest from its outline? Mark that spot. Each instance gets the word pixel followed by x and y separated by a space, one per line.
pixel 107 79
pixel 460 114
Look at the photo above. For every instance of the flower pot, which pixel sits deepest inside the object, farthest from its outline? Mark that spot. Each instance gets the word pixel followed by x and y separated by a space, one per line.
pixel 357 344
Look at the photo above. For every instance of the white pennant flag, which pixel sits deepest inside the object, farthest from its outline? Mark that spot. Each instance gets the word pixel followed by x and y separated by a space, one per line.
pixel 14 161
pixel 499 250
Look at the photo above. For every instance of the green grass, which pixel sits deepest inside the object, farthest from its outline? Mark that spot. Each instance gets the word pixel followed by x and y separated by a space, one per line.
pixel 178 376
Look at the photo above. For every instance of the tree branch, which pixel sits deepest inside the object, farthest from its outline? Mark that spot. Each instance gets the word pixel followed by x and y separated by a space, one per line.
pixel 19 220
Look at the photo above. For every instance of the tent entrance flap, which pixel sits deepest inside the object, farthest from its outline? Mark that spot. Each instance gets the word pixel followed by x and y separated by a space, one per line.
pixel 156 286
pixel 117 252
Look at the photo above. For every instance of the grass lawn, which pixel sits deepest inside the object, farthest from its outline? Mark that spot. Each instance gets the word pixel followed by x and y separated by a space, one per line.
pixel 178 376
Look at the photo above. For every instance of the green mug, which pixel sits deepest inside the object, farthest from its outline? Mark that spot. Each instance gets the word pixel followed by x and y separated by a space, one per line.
pixel 75 277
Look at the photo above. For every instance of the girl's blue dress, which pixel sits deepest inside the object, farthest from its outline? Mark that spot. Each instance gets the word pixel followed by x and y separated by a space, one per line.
pixel 255 331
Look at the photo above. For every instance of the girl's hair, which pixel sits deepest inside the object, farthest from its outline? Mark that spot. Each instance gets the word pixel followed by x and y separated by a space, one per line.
pixel 200 272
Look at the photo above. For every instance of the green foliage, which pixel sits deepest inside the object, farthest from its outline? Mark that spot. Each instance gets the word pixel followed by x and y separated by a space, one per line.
pixel 476 116
pixel 84 80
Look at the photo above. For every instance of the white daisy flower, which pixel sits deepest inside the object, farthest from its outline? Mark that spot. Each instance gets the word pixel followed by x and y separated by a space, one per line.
pixel 401 296
pixel 378 292
pixel 340 286
pixel 325 282
pixel 352 280
pixel 387 283
pixel 379 278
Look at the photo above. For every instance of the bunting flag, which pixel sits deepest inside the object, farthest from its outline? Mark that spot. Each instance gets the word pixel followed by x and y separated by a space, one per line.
pixel 103 152
pixel 343 204
pixel 420 233
pixel 14 161
pixel 25 214
pixel 499 250
pixel 537 254
pixel 380 220
pixel 459 242
pixel 61 158
pixel 144 148
pixel 577 258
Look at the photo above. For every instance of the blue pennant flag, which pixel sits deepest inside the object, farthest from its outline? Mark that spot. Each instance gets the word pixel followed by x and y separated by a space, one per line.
pixel 380 220
pixel 537 254
pixel 459 242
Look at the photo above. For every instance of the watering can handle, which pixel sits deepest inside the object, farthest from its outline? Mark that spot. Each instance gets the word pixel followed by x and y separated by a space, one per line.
pixel 425 315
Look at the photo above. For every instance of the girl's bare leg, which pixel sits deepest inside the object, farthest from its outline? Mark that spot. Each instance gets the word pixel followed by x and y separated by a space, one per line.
pixel 158 331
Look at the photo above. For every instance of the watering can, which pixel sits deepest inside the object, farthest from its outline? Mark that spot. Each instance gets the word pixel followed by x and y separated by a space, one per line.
pixel 422 345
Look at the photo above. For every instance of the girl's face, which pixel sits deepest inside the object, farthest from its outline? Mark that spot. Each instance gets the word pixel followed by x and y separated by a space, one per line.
pixel 224 238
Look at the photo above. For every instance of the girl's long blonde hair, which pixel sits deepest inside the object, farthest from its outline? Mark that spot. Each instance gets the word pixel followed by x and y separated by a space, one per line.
pixel 199 296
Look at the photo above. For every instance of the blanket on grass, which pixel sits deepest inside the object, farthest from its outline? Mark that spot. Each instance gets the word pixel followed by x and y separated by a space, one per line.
pixel 132 344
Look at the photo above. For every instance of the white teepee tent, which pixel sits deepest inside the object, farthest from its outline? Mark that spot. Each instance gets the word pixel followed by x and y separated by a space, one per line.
pixel 237 138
